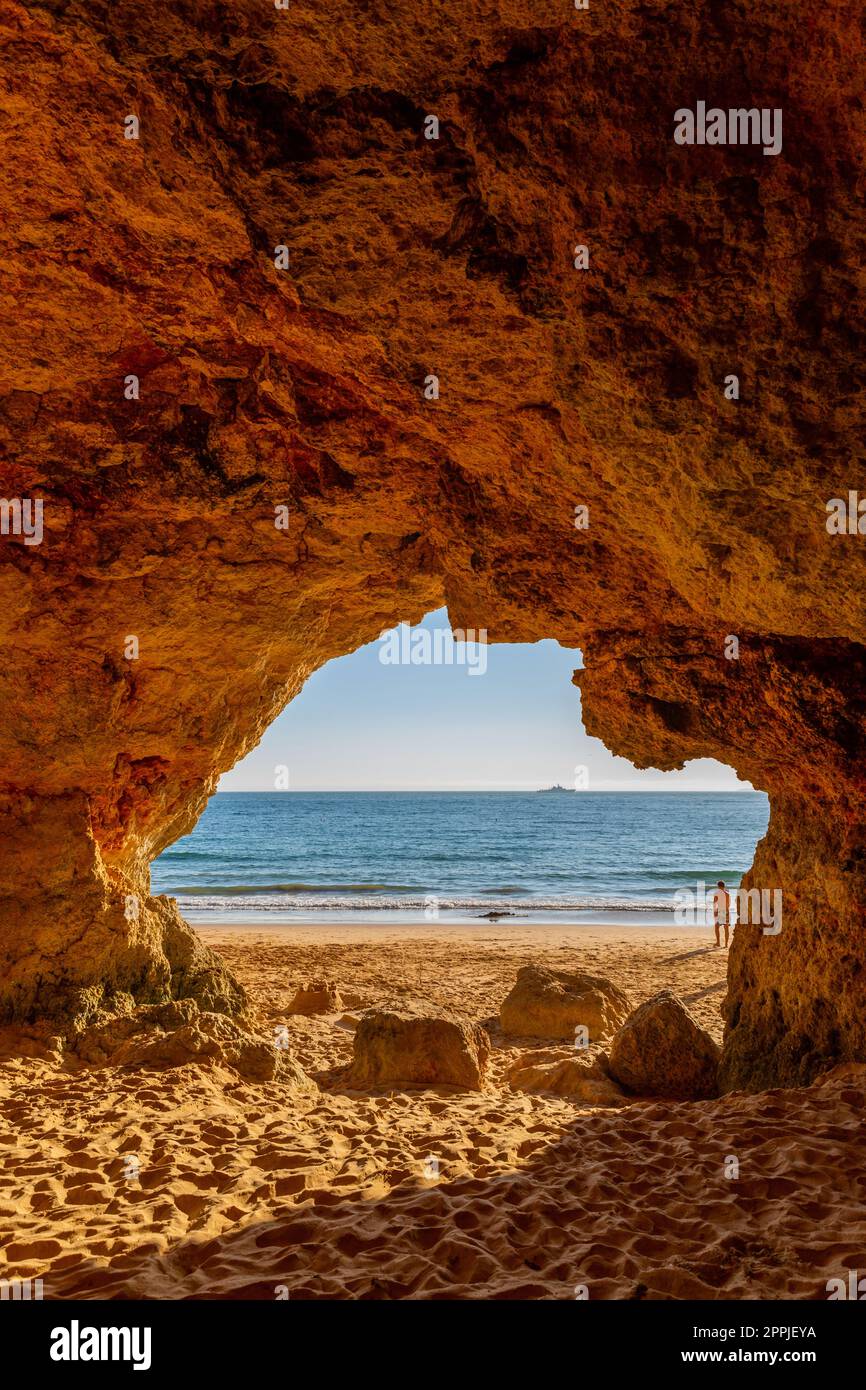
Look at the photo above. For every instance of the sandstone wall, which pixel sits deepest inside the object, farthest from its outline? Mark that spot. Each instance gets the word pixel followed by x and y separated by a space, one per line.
pixel 303 387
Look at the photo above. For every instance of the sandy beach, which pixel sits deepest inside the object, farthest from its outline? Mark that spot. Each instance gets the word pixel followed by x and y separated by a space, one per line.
pixel 193 1183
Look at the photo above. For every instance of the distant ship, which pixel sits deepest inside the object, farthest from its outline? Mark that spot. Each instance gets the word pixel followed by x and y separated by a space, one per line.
pixel 557 788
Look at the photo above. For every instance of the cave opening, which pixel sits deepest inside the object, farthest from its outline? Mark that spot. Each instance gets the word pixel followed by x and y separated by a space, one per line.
pixel 431 778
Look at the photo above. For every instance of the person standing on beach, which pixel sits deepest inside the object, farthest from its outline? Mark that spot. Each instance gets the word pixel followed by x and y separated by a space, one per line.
pixel 722 911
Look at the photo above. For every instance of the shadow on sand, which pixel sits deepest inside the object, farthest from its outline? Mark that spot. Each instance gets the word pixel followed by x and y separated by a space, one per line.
pixel 633 1203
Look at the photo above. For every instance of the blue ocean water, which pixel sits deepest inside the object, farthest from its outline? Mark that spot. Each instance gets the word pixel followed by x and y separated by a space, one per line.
pixel 567 856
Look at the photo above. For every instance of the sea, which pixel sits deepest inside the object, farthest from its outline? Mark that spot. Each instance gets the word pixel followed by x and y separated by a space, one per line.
pixel 552 856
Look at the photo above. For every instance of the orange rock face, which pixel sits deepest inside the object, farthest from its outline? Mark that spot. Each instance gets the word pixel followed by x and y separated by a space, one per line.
pixel 260 388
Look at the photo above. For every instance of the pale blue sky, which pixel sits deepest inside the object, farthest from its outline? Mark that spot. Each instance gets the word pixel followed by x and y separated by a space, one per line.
pixel 361 725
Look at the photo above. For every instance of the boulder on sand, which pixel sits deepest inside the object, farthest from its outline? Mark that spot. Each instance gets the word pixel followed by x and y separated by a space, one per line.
pixel 159 1036
pixel 564 1073
pixel 552 1003
pixel 402 1045
pixel 316 997
pixel 661 1050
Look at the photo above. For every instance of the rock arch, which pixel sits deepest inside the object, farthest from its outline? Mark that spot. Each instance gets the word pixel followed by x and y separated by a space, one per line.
pixel 262 388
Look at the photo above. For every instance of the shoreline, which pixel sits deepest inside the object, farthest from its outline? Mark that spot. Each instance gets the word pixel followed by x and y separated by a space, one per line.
pixel 439 929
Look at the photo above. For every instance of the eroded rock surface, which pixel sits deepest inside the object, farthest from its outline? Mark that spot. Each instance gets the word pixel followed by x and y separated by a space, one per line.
pixel 261 388
pixel 175 1035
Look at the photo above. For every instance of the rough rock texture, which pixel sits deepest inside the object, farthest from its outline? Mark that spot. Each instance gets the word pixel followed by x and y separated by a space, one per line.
pixel 661 1050
pixel 401 1045
pixel 175 1035
pixel 550 1069
pixel 552 1003
pixel 316 997
pixel 303 388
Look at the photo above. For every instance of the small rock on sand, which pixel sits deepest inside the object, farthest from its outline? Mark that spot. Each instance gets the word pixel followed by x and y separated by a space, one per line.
pixel 564 1074
pixel 316 997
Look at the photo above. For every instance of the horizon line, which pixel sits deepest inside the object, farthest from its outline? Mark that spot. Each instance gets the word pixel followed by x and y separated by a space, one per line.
pixel 492 791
